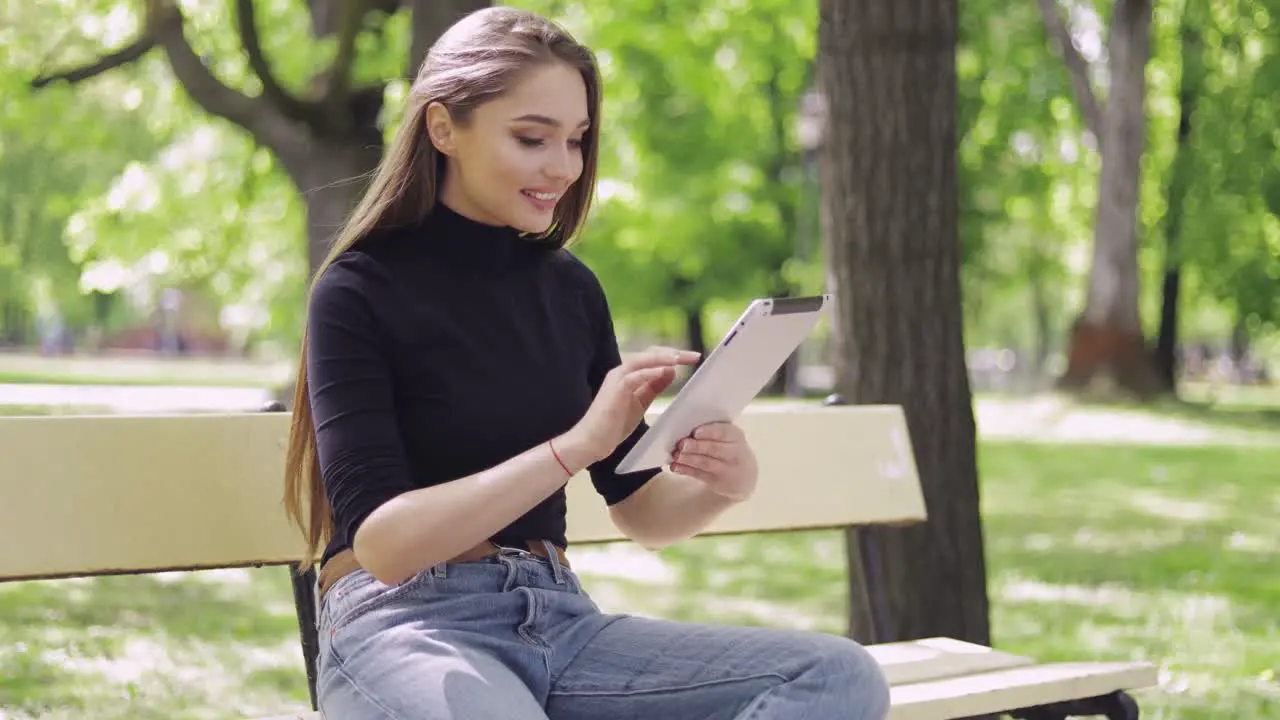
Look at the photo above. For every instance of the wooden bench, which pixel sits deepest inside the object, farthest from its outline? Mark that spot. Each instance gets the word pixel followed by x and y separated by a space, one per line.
pixel 87 496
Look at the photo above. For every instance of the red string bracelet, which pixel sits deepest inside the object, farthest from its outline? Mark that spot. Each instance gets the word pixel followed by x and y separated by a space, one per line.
pixel 557 457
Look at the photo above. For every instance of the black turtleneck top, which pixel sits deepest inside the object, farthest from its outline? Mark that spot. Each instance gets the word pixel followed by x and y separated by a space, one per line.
pixel 439 351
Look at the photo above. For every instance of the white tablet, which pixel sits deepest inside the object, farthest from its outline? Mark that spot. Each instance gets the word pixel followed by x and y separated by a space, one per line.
pixel 753 350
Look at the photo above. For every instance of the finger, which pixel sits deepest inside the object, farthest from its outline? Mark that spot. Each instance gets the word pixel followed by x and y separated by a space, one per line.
pixel 659 357
pixel 656 386
pixel 709 464
pixel 638 379
pixel 649 383
pixel 693 472
pixel 721 431
pixel 706 448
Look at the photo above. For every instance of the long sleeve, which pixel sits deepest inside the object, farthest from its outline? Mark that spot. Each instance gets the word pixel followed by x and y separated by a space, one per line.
pixel 358 440
pixel 613 486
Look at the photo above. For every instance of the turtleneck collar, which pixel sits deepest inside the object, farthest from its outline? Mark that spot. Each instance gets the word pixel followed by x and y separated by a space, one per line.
pixel 456 236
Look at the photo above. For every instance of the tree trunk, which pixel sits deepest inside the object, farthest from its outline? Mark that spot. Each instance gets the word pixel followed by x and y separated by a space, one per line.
pixel 1043 327
pixel 1107 346
pixel 695 338
pixel 432 17
pixel 330 175
pixel 1166 354
pixel 15 325
pixel 889 221
pixel 1179 183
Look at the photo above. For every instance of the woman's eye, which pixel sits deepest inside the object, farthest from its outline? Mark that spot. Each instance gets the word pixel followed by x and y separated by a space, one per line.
pixel 528 141
pixel 576 144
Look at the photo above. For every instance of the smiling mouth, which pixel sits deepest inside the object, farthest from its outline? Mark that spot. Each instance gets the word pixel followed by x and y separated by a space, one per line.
pixel 542 196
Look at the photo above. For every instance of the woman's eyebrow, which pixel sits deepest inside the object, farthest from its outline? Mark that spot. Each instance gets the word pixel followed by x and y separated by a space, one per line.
pixel 545 120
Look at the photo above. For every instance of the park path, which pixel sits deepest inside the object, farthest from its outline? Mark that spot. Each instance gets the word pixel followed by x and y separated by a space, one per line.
pixel 1045 418
pixel 135 399
pixel 1053 418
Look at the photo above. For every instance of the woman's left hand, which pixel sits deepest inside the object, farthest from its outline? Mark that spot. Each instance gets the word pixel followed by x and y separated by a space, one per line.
pixel 719 456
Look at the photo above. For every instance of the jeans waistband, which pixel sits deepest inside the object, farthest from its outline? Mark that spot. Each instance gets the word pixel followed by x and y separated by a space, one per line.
pixel 344 562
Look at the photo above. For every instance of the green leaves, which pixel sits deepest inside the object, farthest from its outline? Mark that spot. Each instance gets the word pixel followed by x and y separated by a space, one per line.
pixel 1233 227
pixel 60 146
pixel 701 175
pixel 703 201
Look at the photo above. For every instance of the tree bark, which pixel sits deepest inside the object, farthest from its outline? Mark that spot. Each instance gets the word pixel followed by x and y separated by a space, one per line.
pixel 695 338
pixel 430 18
pixel 329 173
pixel 1107 347
pixel 889 221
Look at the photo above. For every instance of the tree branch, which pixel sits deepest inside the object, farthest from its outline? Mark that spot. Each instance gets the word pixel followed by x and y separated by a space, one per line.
pixel 340 71
pixel 261 118
pixel 125 55
pixel 246 24
pixel 1077 66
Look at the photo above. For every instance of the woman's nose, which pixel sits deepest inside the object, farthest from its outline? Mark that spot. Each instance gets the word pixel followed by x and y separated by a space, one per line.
pixel 560 165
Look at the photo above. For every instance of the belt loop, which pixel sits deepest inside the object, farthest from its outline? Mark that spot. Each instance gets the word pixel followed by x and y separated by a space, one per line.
pixel 553 555
pixel 439 571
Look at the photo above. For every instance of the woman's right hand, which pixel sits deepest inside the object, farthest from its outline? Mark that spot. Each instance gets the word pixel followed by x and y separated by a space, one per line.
pixel 623 399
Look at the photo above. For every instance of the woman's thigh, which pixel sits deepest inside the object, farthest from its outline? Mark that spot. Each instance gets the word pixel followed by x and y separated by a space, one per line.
pixel 425 650
pixel 418 679
pixel 643 668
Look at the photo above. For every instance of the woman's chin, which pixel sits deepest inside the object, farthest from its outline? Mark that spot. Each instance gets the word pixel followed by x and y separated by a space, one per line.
pixel 533 225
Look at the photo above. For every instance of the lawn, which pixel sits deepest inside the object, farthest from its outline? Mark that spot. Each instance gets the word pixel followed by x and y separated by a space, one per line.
pixel 1109 552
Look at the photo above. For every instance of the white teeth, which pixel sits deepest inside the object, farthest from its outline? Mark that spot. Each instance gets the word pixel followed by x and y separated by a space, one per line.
pixel 541 196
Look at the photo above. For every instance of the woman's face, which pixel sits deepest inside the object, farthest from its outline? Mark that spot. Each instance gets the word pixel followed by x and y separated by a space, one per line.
pixel 519 154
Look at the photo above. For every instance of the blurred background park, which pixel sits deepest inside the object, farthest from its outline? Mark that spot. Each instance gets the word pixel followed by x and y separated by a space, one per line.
pixel 1057 219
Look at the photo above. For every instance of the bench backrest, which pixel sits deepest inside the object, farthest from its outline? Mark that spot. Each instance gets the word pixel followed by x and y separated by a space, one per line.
pixel 88 495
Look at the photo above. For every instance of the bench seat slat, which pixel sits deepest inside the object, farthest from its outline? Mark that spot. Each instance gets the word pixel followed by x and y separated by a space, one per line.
pixel 937 658
pixel 1013 688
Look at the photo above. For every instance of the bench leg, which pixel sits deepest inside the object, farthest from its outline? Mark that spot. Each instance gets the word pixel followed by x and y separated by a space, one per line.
pixel 1118 705
pixel 304 601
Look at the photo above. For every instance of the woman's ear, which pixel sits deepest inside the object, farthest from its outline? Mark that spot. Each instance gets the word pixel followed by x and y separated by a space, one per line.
pixel 440 128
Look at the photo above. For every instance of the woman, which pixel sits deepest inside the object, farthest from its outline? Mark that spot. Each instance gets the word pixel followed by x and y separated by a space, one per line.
pixel 459 368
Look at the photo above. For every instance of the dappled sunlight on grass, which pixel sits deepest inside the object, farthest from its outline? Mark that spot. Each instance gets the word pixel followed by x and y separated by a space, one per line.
pixel 1165 554
pixel 175 645
pixel 1163 507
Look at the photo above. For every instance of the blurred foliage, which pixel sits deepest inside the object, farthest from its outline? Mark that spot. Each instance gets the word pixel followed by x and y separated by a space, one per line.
pixel 703 175
pixel 58 149
pixel 121 182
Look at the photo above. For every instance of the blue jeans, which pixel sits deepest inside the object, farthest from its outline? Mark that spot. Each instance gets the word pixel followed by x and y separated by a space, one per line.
pixel 514 637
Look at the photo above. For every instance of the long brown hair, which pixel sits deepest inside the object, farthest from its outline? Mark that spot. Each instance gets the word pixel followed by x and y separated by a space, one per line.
pixel 473 62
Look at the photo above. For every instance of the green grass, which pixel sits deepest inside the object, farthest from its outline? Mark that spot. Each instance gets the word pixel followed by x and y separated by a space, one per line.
pixel 1257 397
pixel 1167 554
